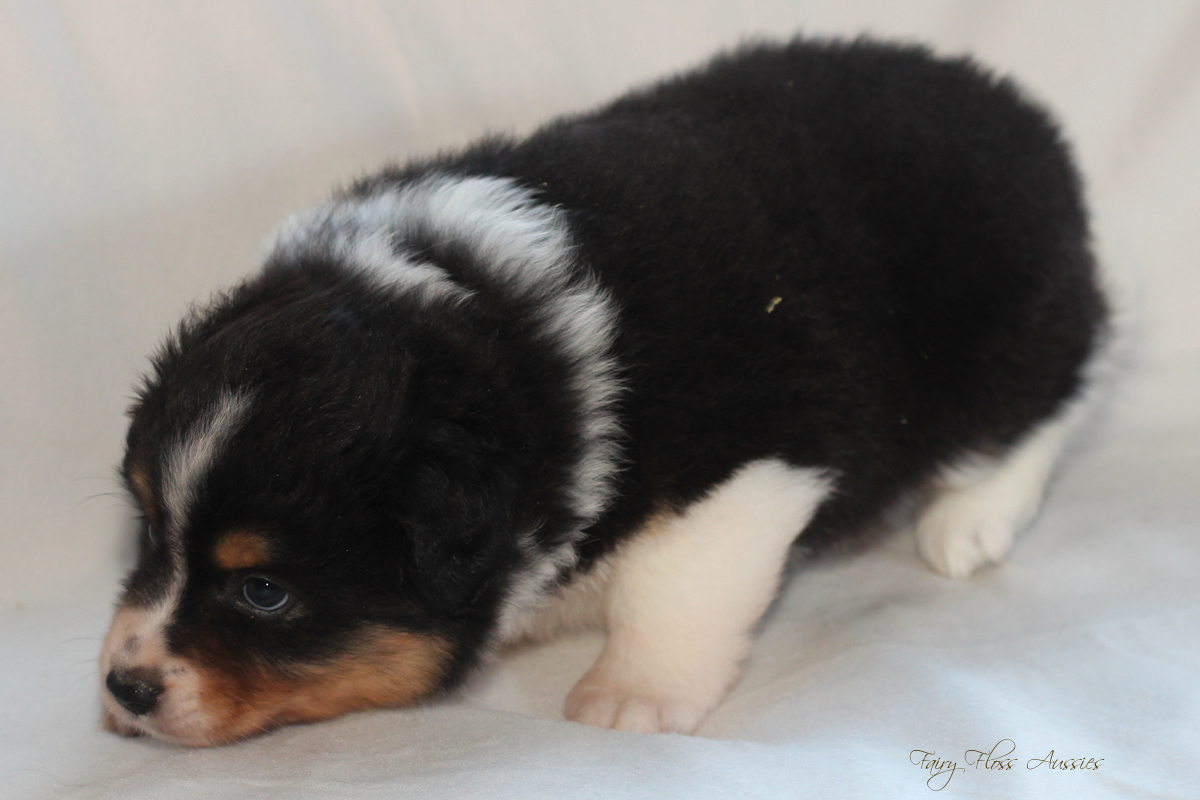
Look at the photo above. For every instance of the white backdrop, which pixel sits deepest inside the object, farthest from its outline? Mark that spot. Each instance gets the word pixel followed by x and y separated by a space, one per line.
pixel 146 149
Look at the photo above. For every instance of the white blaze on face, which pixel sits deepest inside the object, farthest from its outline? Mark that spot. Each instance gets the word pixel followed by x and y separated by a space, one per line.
pixel 190 459
pixel 136 639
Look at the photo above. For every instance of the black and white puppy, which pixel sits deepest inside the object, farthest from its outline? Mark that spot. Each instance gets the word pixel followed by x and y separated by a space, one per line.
pixel 607 375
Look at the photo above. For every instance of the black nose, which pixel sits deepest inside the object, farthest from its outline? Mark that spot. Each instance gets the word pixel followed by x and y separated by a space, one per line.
pixel 136 690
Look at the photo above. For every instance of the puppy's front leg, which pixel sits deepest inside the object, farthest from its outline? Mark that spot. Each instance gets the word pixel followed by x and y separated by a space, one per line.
pixel 683 596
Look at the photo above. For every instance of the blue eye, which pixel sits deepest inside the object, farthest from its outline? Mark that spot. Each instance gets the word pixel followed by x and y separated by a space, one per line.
pixel 264 595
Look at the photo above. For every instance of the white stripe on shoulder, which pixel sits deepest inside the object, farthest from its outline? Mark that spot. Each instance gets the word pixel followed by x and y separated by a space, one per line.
pixel 524 245
pixel 365 233
pixel 527 245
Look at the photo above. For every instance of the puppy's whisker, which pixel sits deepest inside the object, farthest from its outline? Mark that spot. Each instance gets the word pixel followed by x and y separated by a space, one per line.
pixel 106 478
pixel 78 681
pixel 80 639
pixel 92 497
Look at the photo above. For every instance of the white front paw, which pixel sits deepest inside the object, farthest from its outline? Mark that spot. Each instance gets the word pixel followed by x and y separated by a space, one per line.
pixel 602 701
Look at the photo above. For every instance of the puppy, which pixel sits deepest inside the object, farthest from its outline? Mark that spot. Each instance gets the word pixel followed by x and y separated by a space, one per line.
pixel 608 375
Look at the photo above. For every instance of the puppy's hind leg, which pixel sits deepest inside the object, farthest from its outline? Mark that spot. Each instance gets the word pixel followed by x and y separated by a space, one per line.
pixel 684 595
pixel 978 508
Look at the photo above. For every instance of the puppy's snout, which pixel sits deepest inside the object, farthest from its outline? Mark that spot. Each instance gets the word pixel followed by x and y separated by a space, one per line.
pixel 136 690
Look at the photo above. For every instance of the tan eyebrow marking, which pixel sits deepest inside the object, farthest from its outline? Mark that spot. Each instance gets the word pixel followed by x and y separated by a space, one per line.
pixel 139 482
pixel 242 549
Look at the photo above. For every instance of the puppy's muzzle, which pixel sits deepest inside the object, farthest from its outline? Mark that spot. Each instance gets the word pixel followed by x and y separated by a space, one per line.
pixel 137 690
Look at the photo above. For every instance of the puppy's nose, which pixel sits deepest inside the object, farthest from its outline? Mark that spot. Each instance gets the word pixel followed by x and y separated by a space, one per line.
pixel 137 691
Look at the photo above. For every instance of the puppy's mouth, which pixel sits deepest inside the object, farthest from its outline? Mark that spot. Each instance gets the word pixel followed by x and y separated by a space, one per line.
pixel 201 699
pixel 139 701
pixel 117 720
pixel 145 690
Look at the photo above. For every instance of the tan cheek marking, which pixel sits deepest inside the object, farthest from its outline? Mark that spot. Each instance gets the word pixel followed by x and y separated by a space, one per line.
pixel 387 669
pixel 242 550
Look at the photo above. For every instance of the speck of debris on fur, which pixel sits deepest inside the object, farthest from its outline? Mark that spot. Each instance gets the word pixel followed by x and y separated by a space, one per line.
pixel 774 302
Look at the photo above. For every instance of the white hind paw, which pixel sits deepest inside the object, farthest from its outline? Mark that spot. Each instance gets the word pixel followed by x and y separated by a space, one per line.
pixel 961 531
pixel 978 507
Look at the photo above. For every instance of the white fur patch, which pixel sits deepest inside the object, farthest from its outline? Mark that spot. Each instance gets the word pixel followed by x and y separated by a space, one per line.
pixel 136 641
pixel 980 505
pixel 366 233
pixel 526 592
pixel 577 606
pixel 684 594
pixel 525 247
pixel 190 458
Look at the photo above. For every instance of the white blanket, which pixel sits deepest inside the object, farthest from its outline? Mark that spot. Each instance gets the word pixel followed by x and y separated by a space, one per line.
pixel 147 148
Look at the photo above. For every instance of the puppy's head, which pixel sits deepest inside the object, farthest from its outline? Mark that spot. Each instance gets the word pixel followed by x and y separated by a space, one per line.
pixel 334 483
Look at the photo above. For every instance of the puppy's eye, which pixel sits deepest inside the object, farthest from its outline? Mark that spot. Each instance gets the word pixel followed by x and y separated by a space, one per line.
pixel 150 539
pixel 264 595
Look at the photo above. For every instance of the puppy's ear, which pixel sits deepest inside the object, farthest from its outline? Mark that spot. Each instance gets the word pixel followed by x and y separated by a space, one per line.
pixel 457 486
pixel 459 527
pixel 461 574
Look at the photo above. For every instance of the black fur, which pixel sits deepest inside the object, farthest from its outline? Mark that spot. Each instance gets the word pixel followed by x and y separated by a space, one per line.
pixel 852 256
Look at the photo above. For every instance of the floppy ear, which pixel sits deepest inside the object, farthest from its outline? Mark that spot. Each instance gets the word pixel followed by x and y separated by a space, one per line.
pixel 468 484
pixel 456 511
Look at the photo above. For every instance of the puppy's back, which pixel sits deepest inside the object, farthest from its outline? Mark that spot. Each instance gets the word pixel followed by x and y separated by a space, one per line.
pixel 851 255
